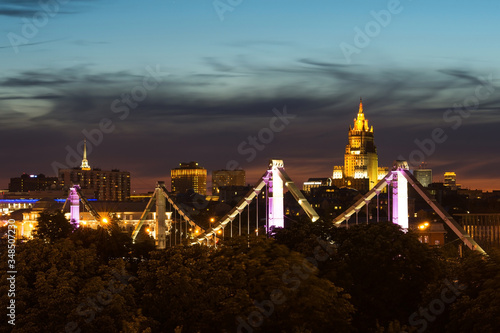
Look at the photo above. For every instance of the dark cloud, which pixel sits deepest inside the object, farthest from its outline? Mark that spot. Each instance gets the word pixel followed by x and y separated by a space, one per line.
pixel 266 43
pixel 19 12
pixel 33 79
pixel 30 44
pixel 189 118
pixel 32 97
pixel 27 8
pixel 217 65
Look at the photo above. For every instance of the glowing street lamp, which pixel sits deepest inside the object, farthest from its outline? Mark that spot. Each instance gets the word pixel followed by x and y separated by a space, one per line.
pixel 423 226
pixel 104 220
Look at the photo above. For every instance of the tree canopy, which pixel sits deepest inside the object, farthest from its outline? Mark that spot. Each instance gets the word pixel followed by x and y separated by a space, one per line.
pixel 264 287
pixel 308 277
pixel 52 226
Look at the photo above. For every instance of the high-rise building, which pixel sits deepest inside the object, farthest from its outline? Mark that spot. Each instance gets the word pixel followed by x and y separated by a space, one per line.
pixel 29 183
pixel 382 172
pixel 189 176
pixel 111 185
pixel 424 176
pixel 450 180
pixel 227 178
pixel 360 170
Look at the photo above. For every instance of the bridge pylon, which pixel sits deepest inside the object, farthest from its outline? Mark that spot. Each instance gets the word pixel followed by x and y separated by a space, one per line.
pixel 398 180
pixel 160 228
pixel 276 216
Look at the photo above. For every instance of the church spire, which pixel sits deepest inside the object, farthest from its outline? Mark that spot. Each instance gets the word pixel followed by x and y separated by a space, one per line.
pixel 85 164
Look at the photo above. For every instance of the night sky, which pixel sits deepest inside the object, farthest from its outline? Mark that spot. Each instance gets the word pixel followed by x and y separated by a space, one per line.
pixel 179 81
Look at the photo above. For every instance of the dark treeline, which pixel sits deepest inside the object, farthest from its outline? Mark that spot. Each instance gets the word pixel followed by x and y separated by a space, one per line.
pixel 308 277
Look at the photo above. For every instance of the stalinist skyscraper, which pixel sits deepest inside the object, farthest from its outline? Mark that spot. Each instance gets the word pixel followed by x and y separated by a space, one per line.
pixel 360 170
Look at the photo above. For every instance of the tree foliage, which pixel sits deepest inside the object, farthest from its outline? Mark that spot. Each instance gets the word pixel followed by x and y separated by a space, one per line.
pixel 216 290
pixel 310 277
pixel 478 310
pixel 383 268
pixel 52 226
pixel 64 284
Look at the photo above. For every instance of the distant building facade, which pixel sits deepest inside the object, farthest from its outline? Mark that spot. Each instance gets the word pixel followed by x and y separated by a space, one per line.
pixel 360 170
pixel 424 176
pixel 483 228
pixel 111 185
pixel 233 193
pixel 430 233
pixel 189 176
pixel 315 183
pixel 128 214
pixel 227 178
pixel 29 183
pixel 450 180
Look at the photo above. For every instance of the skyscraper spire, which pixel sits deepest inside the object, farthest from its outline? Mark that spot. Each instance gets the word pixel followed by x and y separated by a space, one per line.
pixel 85 164
pixel 360 123
pixel 360 160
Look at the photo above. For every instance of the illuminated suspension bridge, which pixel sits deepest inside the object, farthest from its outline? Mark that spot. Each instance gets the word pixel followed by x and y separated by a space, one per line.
pixel 176 223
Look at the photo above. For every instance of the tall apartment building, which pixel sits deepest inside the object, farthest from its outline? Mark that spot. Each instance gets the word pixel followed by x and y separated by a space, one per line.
pixel 424 176
pixel 189 176
pixel 29 183
pixel 450 180
pixel 111 185
pixel 360 169
pixel 227 178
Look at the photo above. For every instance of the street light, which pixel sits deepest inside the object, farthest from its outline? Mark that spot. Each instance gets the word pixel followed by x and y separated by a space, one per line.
pixel 423 226
pixel 104 220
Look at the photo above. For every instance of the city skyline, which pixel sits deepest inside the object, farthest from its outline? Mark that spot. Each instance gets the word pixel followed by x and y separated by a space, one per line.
pixel 215 79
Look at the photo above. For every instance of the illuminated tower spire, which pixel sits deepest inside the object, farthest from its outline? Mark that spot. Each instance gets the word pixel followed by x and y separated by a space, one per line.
pixel 360 123
pixel 85 163
pixel 360 159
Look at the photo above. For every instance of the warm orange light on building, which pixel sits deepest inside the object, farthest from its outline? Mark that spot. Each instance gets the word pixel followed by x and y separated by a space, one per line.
pixel 423 226
pixel 360 169
pixel 189 176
